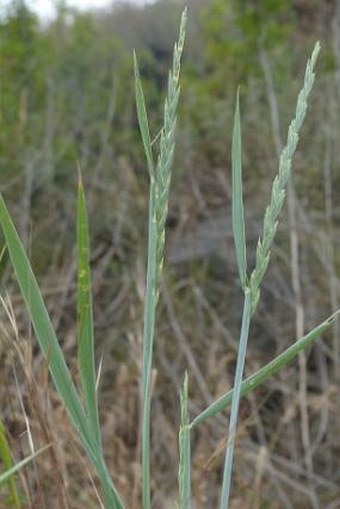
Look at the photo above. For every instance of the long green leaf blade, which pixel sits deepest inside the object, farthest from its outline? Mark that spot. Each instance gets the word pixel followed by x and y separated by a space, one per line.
pixel 143 119
pixel 258 378
pixel 86 349
pixel 237 194
pixel 184 471
pixel 85 318
pixel 42 324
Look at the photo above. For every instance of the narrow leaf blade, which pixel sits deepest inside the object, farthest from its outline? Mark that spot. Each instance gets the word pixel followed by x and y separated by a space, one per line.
pixel 15 468
pixel 143 119
pixel 41 323
pixel 258 378
pixel 85 317
pixel 237 194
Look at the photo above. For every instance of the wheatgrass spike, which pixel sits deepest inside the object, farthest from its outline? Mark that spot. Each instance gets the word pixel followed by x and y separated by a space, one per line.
pixel 280 182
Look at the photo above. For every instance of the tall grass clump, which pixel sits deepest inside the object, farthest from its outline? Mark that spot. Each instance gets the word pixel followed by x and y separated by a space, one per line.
pixel 81 402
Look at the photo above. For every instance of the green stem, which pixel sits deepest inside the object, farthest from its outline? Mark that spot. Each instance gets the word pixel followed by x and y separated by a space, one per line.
pixel 148 340
pixel 184 471
pixel 228 464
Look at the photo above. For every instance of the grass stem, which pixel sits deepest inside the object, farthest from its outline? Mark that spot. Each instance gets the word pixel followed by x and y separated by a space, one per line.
pixel 241 356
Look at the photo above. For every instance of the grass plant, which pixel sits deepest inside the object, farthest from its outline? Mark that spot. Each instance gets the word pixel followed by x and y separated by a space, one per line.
pixel 160 176
pixel 82 404
pixel 252 289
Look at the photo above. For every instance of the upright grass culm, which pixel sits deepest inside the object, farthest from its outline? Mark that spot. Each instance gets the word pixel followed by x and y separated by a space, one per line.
pixel 160 176
pixel 252 291
pixel 184 470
